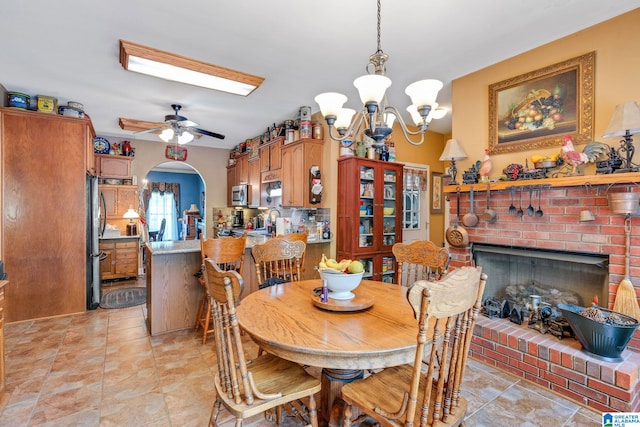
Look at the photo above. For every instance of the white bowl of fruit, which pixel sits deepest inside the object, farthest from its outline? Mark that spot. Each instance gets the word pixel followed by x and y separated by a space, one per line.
pixel 341 277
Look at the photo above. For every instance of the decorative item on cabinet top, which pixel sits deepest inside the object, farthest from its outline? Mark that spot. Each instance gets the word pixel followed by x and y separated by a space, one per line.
pixel 315 185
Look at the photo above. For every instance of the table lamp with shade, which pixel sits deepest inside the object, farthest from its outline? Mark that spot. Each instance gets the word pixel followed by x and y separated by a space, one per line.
pixel 131 215
pixel 625 122
pixel 453 151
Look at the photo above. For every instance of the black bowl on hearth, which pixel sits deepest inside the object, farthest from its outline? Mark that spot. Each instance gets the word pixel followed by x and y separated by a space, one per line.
pixel 604 341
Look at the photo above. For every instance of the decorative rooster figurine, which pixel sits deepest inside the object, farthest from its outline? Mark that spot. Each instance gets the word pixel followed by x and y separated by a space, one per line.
pixel 485 167
pixel 574 159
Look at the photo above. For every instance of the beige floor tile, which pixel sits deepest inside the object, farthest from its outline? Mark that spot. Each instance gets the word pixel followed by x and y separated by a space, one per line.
pixel 101 368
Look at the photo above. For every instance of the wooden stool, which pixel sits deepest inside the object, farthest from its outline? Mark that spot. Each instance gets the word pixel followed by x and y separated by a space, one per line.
pixel 228 253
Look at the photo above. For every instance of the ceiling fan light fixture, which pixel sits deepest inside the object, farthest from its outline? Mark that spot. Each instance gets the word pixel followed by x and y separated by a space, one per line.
pixel 185 137
pixel 169 66
pixel 166 135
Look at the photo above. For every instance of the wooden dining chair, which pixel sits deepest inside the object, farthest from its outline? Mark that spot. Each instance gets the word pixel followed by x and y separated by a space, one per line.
pixel 249 387
pixel 292 237
pixel 419 260
pixel 418 395
pixel 228 253
pixel 278 258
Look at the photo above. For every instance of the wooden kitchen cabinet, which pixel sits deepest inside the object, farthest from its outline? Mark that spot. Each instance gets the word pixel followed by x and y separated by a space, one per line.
pixel 271 156
pixel 3 385
pixel 231 181
pixel 242 169
pixel 297 159
pixel 119 258
pixel 118 167
pixel 254 182
pixel 369 214
pixel 43 173
pixel 119 198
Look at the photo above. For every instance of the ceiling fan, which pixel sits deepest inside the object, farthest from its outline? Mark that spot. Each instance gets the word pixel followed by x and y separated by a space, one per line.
pixel 175 125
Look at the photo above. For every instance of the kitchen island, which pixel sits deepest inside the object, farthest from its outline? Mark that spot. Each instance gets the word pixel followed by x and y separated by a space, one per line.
pixel 174 293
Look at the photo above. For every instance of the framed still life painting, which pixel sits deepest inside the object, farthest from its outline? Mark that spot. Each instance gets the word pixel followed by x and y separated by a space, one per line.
pixel 536 109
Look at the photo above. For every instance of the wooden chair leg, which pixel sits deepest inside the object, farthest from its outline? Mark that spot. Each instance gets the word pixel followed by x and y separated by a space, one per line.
pixel 207 321
pixel 203 303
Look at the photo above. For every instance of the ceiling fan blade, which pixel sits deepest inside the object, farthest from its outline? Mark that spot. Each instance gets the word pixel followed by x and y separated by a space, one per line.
pixel 206 132
pixel 187 123
pixel 140 132
pixel 140 126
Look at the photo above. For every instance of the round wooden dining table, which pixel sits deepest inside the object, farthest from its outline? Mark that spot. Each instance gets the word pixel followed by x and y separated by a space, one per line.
pixel 285 320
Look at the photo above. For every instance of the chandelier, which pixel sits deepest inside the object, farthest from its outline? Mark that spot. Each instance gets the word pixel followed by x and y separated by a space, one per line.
pixel 376 115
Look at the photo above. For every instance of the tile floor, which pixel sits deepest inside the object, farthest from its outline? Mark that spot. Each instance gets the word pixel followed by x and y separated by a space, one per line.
pixel 101 368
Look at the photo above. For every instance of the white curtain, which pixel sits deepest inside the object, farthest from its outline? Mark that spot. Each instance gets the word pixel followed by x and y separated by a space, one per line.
pixel 162 205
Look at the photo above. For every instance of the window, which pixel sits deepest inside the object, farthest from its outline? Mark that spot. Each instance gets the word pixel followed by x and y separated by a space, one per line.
pixel 162 205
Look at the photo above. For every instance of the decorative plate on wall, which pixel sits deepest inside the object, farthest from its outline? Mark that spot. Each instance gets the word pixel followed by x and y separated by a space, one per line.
pixel 101 145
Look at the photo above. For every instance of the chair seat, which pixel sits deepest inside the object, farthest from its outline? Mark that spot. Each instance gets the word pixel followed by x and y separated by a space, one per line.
pixel 271 374
pixel 373 392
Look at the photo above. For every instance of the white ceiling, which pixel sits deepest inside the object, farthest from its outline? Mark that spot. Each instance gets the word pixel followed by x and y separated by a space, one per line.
pixel 69 49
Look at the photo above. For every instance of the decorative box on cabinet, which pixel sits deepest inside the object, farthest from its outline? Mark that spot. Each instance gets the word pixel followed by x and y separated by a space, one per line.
pixel 118 167
pixel 369 214
pixel 120 258
pixel 297 159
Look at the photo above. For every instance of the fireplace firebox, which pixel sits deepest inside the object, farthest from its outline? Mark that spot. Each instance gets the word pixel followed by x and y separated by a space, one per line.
pixel 583 274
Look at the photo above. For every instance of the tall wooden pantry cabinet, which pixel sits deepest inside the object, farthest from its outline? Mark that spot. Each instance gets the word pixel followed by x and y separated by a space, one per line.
pixel 369 214
pixel 44 163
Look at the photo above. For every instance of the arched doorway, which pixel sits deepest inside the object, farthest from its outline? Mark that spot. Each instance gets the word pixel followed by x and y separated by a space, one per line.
pixel 174 191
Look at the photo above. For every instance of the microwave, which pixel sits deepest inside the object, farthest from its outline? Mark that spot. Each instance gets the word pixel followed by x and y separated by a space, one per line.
pixel 240 195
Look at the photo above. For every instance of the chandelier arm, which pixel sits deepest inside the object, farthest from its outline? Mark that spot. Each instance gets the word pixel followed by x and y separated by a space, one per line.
pixel 353 130
pixel 405 130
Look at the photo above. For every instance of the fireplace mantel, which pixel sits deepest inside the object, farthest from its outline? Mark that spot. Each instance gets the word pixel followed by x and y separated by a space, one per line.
pixel 567 181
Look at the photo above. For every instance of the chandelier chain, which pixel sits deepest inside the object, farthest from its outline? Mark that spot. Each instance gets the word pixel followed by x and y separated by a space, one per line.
pixel 379 48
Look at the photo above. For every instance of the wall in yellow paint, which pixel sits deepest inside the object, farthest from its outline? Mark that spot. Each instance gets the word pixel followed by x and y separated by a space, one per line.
pixel 616 43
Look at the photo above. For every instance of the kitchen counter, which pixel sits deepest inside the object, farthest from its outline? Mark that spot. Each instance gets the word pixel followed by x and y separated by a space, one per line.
pixel 114 237
pixel 173 293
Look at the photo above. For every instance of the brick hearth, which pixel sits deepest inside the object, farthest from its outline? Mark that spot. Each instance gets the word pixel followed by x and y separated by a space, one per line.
pixel 558 365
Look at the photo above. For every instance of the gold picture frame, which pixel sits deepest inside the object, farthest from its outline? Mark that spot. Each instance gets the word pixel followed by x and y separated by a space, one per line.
pixel 537 109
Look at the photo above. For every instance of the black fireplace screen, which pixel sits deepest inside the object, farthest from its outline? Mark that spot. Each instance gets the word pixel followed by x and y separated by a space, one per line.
pixel 584 275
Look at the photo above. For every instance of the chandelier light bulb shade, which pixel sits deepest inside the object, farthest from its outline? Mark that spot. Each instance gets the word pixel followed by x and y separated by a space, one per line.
pixel 184 138
pixel 626 117
pixel 424 92
pixel 166 135
pixel 372 87
pixel 453 151
pixel 331 103
pixel 344 118
pixel 415 116
pixel 436 113
pixel 389 118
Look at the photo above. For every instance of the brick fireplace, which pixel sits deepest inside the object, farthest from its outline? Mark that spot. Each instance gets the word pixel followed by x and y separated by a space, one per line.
pixel 559 365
